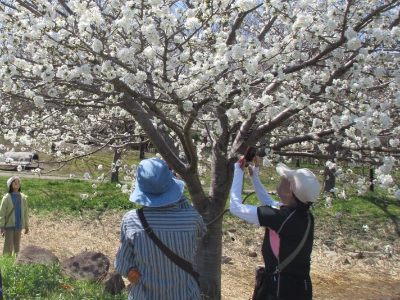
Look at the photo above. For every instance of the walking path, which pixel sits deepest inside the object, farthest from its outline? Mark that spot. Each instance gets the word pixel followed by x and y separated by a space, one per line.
pixel 29 174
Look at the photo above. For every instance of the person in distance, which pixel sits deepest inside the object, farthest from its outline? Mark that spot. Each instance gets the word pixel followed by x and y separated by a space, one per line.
pixel 13 216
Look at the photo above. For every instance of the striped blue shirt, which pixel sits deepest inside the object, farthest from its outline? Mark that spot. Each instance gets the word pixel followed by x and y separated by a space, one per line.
pixel 178 226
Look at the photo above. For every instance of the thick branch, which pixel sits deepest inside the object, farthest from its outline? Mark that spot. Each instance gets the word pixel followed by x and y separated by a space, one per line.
pixel 236 25
pixel 266 29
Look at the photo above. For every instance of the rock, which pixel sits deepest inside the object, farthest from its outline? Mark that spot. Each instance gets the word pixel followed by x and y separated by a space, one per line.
pixel 113 283
pixel 34 254
pixel 88 265
pixel 331 253
pixel 226 259
pixel 252 254
pixel 232 230
pixel 369 261
pixel 346 261
pixel 357 255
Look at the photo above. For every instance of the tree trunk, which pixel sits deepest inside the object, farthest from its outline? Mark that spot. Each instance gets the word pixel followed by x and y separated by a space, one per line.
pixel 143 147
pixel 329 174
pixel 114 175
pixel 208 262
pixel 208 254
pixel 371 179
pixel 329 179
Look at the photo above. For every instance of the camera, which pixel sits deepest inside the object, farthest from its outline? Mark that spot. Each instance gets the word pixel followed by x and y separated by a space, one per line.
pixel 249 155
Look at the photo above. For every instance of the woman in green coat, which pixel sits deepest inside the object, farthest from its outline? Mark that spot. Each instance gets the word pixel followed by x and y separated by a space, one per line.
pixel 13 216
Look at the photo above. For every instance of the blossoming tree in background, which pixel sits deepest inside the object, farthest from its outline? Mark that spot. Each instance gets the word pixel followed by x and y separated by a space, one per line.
pixel 306 78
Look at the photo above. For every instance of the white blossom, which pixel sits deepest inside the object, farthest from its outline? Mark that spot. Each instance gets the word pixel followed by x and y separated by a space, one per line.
pixel 187 105
pixel 39 101
pixel 328 203
pixel 246 5
pixel 97 46
pixel 233 114
pixel 394 143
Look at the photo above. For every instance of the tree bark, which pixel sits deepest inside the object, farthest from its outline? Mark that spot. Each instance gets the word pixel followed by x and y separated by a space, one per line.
pixel 329 174
pixel 142 154
pixel 371 179
pixel 329 179
pixel 114 175
pixel 208 262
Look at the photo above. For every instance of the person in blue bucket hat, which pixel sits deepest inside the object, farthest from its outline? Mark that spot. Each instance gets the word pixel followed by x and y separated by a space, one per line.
pixel 174 222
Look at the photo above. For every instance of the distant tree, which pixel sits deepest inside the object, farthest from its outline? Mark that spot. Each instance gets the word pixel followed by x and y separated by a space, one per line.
pixel 196 75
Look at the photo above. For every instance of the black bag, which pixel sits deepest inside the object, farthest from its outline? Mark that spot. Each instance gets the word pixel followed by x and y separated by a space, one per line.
pixel 263 280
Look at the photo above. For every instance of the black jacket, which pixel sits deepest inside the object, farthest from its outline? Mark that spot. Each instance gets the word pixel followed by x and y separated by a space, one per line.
pixel 294 282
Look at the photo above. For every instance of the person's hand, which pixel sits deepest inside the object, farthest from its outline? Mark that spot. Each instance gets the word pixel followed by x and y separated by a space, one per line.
pixel 257 161
pixel 242 163
pixel 250 169
pixel 2 232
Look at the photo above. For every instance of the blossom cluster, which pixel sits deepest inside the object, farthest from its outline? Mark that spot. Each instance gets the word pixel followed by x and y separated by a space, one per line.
pixel 80 73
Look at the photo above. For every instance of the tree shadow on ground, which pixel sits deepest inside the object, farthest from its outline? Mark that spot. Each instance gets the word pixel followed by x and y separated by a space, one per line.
pixel 384 202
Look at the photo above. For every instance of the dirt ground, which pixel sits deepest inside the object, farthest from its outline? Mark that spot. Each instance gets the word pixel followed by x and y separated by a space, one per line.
pixel 336 275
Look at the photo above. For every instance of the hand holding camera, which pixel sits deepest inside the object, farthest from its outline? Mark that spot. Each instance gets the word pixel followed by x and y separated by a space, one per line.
pixel 249 155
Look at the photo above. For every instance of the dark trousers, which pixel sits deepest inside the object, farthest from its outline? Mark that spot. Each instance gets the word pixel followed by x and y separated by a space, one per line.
pixel 273 297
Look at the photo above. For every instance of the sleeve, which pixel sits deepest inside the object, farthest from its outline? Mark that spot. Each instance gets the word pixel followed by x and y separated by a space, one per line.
pixel 244 211
pixel 124 259
pixel 25 209
pixel 201 227
pixel 3 211
pixel 270 217
pixel 261 191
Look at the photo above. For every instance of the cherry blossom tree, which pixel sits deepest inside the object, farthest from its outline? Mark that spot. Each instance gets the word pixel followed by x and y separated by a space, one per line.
pixel 299 78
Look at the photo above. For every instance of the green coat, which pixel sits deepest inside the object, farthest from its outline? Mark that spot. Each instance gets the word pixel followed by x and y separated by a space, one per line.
pixel 7 205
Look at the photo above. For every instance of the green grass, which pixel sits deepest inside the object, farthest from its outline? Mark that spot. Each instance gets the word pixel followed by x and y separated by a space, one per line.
pixel 378 210
pixel 45 282
pixel 65 195
pixel 90 163
pixel 344 221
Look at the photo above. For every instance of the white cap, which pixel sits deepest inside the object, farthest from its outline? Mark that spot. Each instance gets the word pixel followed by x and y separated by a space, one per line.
pixel 9 181
pixel 304 184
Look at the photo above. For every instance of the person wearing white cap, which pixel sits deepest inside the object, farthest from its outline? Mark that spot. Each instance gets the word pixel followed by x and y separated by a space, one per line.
pixel 286 226
pixel 174 221
pixel 13 216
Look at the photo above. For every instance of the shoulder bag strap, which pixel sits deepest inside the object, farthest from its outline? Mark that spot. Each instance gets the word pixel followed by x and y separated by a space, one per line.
pixel 288 259
pixel 15 204
pixel 179 261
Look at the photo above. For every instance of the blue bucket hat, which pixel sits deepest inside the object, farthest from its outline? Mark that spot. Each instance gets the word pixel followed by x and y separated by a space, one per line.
pixel 156 185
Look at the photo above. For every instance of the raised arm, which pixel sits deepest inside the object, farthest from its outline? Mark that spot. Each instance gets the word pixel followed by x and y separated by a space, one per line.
pixel 262 193
pixel 244 211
